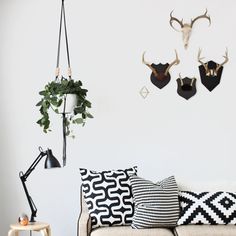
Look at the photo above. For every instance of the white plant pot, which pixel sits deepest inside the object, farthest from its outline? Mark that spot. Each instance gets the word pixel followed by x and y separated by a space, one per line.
pixel 71 100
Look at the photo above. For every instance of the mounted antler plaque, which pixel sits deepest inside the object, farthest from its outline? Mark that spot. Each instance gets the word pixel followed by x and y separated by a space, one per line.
pixel 211 72
pixel 186 87
pixel 186 28
pixel 160 75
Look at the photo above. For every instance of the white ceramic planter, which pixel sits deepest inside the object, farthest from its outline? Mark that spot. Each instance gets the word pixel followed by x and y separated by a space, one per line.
pixel 71 101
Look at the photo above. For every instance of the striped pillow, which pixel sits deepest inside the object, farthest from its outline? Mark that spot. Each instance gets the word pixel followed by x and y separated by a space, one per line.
pixel 156 205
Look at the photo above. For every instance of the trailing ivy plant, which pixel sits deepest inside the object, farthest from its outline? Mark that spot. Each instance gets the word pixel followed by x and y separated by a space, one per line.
pixel 53 96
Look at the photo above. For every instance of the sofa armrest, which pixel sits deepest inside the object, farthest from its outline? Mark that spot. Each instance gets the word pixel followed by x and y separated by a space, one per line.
pixel 84 224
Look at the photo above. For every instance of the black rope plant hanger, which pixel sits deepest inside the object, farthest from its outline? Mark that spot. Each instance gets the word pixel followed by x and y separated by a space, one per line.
pixel 64 96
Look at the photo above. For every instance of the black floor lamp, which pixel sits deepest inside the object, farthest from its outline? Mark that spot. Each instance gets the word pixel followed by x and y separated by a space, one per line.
pixel 50 162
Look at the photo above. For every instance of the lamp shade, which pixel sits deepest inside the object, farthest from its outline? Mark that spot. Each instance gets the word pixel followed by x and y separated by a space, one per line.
pixel 51 161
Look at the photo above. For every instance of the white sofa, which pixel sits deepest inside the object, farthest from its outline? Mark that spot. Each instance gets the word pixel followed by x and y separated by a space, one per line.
pixel 84 223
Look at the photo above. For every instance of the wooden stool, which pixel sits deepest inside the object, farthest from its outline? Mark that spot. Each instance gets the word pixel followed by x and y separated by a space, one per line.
pixel 43 228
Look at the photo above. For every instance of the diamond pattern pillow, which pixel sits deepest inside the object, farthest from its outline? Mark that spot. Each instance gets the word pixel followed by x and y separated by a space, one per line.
pixel 108 196
pixel 207 208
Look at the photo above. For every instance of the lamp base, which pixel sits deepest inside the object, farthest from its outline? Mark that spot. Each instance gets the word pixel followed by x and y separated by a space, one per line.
pixel 32 220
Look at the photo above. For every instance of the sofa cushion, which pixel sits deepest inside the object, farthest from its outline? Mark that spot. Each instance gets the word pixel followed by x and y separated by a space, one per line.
pixel 108 196
pixel 156 204
pixel 207 208
pixel 128 231
pixel 206 230
pixel 218 185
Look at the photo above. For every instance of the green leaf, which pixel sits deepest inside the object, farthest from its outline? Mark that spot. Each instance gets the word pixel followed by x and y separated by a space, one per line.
pixel 46 124
pixel 67 122
pixel 53 99
pixel 78 110
pixel 60 102
pixel 39 103
pixel 78 121
pixel 87 103
pixel 89 115
pixel 54 103
pixel 39 122
pixel 43 93
pixel 64 82
pixel 41 110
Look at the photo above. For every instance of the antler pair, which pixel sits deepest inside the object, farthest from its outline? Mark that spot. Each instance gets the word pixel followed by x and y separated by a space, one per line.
pixel 186 28
pixel 192 20
pixel 212 72
pixel 155 72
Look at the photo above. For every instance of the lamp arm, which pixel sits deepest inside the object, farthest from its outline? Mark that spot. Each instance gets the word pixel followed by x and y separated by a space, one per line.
pixel 35 163
pixel 23 178
pixel 30 200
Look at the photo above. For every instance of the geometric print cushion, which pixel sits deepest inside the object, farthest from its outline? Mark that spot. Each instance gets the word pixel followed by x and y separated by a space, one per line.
pixel 212 208
pixel 108 196
pixel 156 204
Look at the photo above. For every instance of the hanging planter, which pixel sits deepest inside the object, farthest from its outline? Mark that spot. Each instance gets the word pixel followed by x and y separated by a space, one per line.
pixel 64 96
pixel 71 103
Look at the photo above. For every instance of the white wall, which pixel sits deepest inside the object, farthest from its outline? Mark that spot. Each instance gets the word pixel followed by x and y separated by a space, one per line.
pixel 163 134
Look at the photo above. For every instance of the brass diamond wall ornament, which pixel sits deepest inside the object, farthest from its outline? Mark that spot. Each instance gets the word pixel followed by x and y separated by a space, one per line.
pixel 144 92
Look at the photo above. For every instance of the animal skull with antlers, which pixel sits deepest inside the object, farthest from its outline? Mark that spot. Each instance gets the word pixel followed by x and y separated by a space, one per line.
pixel 160 76
pixel 211 71
pixel 186 28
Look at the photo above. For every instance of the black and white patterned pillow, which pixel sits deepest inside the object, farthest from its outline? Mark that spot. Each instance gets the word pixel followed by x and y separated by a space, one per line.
pixel 207 208
pixel 156 204
pixel 108 196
